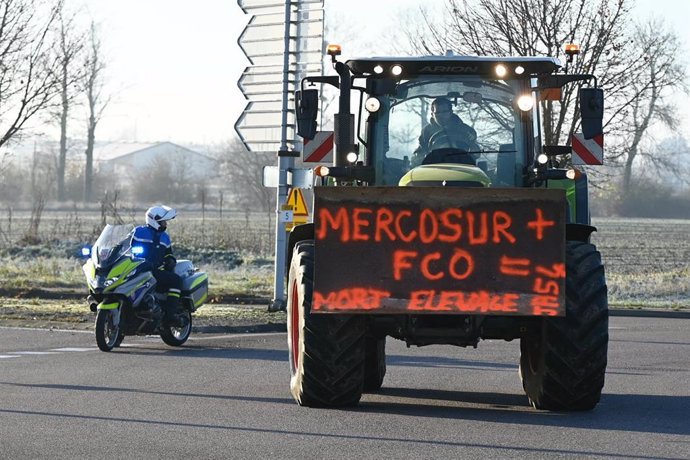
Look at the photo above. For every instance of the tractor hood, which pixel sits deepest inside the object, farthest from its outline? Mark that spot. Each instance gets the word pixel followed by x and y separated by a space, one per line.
pixel 445 174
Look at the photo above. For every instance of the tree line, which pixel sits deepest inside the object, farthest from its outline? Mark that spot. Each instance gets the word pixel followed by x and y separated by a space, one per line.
pixel 53 73
pixel 51 63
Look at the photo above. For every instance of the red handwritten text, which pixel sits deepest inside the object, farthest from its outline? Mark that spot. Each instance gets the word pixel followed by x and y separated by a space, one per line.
pixel 425 226
pixel 349 299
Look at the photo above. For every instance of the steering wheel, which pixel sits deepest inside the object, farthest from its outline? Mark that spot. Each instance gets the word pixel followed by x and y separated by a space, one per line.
pixel 442 155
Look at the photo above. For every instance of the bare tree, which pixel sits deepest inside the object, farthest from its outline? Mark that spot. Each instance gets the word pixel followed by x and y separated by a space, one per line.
pixel 168 179
pixel 28 78
pixel 38 204
pixel 243 171
pixel 96 101
pixel 534 28
pixel 660 77
pixel 612 50
pixel 70 44
pixel 110 208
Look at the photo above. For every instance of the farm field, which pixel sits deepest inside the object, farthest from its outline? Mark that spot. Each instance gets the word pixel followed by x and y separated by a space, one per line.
pixel 647 262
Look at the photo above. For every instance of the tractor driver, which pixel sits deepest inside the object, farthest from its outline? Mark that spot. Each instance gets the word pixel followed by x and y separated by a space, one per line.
pixel 445 130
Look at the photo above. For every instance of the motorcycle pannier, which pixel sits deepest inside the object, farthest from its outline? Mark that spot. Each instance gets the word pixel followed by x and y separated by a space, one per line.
pixel 196 288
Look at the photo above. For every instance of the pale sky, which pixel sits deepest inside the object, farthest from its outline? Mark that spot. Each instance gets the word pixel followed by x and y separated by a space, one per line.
pixel 174 64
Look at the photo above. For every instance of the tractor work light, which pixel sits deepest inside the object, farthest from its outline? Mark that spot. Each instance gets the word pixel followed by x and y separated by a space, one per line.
pixel 351 157
pixel 396 69
pixel 378 69
pixel 501 70
pixel 542 159
pixel 372 105
pixel 525 102
pixel 573 174
pixel 519 70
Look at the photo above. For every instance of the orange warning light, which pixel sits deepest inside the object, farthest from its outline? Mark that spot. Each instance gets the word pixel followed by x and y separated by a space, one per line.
pixel 572 49
pixel 321 171
pixel 334 50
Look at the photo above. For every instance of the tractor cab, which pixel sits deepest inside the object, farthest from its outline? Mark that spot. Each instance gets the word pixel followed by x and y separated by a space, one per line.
pixel 468 121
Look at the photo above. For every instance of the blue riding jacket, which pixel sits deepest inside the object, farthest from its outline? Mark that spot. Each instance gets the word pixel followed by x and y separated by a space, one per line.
pixel 156 245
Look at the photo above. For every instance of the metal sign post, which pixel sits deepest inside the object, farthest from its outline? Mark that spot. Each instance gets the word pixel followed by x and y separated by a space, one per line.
pixel 268 122
pixel 286 161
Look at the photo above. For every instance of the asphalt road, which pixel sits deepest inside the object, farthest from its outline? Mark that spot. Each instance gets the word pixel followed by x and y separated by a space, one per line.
pixel 227 396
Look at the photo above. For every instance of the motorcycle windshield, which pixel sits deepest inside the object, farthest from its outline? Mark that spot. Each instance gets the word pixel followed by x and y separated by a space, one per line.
pixel 113 242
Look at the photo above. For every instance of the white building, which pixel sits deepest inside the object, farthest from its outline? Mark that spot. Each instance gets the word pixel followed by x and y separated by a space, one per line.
pixel 124 159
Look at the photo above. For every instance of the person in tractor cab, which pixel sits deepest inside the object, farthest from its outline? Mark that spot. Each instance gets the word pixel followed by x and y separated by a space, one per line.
pixel 445 131
pixel 152 243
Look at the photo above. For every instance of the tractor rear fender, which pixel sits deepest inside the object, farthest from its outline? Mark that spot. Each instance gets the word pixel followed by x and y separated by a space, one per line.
pixel 577 195
pixel 298 233
pixel 579 232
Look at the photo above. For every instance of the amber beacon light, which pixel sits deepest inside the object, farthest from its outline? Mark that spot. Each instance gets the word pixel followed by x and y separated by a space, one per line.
pixel 333 51
pixel 571 49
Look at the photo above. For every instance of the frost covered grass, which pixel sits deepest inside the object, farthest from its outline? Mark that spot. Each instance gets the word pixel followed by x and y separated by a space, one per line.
pixel 39 272
pixel 253 278
pixel 47 313
pixel 665 289
pixel 249 279
pixel 647 261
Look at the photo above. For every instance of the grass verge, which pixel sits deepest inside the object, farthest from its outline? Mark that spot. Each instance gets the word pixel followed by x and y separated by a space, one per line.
pixel 42 313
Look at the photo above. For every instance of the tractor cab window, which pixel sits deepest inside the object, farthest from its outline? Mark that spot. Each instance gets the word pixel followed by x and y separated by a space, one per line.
pixel 450 119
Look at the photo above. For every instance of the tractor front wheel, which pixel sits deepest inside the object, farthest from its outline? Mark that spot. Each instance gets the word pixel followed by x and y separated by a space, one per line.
pixel 562 367
pixel 326 351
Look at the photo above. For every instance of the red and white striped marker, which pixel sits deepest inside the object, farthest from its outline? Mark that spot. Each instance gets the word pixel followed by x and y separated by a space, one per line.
pixel 319 149
pixel 588 151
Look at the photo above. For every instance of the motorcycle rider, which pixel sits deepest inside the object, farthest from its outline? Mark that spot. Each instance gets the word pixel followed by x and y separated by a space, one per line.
pixel 157 250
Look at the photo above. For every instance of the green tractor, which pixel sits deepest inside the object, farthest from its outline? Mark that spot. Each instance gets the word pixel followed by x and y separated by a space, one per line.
pixel 446 232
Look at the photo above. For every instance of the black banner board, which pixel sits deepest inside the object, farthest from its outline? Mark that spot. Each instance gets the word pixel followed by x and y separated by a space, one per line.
pixel 438 250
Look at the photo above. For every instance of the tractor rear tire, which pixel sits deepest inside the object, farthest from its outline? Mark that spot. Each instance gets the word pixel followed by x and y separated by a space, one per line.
pixel 326 351
pixel 562 368
pixel 374 363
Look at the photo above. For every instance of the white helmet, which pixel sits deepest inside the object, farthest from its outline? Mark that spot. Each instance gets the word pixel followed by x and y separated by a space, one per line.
pixel 158 215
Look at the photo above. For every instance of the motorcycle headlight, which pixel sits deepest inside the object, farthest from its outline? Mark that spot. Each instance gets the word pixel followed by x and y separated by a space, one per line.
pixel 110 281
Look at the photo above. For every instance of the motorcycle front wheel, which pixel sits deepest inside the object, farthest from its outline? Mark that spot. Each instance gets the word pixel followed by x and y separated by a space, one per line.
pixel 107 333
pixel 176 336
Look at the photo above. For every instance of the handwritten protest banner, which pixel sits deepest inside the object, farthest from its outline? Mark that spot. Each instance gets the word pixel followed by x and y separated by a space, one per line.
pixel 439 250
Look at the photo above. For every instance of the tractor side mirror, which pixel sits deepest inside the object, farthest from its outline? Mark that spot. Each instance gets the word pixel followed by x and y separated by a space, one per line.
pixel 592 111
pixel 307 107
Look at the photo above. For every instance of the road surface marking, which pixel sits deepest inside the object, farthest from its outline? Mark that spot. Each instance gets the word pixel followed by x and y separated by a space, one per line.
pixel 34 352
pixel 73 349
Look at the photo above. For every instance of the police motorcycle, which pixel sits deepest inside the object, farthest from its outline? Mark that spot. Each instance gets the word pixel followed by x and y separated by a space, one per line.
pixel 122 291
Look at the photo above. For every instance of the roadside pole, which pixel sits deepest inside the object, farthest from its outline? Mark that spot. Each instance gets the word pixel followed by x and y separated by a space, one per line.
pixel 286 161
pixel 271 79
